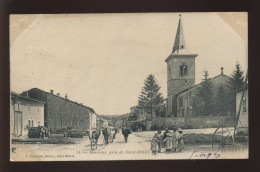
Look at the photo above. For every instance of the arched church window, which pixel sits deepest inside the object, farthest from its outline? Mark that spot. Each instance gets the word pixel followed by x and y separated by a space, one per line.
pixel 183 70
pixel 181 103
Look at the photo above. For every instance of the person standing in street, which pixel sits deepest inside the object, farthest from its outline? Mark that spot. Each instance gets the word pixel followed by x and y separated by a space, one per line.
pixel 106 135
pixel 175 137
pixel 159 138
pixel 126 132
pixel 165 135
pixel 168 142
pixel 155 146
pixel 180 141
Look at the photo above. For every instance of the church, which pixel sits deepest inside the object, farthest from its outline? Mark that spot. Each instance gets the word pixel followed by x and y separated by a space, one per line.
pixel 181 88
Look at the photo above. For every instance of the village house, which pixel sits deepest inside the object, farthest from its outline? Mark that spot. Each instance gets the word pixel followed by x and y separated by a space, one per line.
pixel 139 112
pixel 25 113
pixel 243 113
pixel 101 122
pixel 60 113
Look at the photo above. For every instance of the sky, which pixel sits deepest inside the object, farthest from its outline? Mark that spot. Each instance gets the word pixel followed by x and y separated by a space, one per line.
pixel 102 60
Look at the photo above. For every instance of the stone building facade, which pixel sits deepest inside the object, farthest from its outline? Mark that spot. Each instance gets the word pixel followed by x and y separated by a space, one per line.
pixel 24 114
pixel 62 113
pixel 184 99
pixel 181 86
pixel 180 70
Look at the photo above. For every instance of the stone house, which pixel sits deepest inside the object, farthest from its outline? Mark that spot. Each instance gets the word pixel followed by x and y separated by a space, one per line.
pixel 62 113
pixel 25 112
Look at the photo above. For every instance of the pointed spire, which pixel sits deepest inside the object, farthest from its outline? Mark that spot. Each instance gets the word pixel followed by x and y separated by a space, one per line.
pixel 179 39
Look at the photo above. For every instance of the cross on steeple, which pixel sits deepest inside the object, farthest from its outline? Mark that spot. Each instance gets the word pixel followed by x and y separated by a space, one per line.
pixel 206 74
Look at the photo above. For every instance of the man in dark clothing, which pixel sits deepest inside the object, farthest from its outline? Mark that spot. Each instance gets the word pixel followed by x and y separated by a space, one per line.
pixel 126 132
pixel 115 131
pixel 106 135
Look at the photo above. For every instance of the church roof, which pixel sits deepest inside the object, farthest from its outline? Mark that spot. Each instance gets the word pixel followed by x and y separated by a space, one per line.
pixel 210 79
pixel 179 47
pixel 179 43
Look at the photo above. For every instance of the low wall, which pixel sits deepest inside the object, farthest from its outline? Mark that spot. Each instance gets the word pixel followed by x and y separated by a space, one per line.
pixel 193 123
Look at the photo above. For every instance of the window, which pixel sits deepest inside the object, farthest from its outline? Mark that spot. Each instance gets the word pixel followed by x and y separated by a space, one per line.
pixel 29 123
pixel 183 70
pixel 244 105
pixel 18 105
pixel 39 123
pixel 181 103
pixel 32 123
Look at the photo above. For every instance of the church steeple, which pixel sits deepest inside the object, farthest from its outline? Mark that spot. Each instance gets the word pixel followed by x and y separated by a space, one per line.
pixel 180 70
pixel 179 38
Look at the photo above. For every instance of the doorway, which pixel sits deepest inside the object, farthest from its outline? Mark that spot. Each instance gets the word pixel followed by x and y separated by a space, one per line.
pixel 18 123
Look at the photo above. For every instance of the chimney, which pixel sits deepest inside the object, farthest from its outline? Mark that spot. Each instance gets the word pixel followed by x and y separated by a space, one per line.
pixel 58 94
pixel 27 94
pixel 66 96
pixel 51 91
pixel 222 70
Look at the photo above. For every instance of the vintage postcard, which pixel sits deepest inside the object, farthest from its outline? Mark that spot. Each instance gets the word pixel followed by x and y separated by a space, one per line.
pixel 132 86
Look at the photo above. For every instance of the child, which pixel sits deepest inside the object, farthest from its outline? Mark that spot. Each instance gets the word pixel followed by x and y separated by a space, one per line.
pixel 154 146
pixel 180 141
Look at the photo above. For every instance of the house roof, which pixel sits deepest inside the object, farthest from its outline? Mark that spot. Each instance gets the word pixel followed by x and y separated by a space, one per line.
pixel 13 94
pixel 92 110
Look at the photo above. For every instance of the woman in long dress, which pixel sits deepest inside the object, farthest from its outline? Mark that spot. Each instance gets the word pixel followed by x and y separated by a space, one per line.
pixel 175 137
pixel 180 141
pixel 168 142
pixel 154 146
pixel 159 137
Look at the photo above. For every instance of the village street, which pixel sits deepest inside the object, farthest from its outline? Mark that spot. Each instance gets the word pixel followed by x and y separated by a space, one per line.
pixel 138 147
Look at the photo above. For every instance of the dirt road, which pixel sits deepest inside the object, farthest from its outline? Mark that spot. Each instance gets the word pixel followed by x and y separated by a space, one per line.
pixel 138 147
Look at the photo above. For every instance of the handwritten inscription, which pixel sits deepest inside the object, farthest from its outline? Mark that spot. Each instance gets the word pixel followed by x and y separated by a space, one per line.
pixel 202 155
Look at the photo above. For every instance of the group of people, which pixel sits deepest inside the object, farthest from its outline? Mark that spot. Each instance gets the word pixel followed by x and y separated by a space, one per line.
pixel 171 141
pixel 109 134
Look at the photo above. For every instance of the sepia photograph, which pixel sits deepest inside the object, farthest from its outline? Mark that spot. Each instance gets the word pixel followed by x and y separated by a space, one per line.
pixel 129 86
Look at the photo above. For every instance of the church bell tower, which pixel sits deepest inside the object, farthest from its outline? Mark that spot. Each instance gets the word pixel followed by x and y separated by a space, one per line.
pixel 180 70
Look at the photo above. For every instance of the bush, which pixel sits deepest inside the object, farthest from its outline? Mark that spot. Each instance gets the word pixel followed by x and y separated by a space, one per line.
pixel 135 126
pixel 154 127
pixel 143 127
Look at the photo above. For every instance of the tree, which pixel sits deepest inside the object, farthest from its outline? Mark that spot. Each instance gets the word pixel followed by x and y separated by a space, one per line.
pixel 150 99
pixel 204 92
pixel 236 84
pixel 221 105
pixel 238 78
pixel 161 110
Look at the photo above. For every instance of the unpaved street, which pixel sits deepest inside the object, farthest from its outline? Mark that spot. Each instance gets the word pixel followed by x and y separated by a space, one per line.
pixel 138 147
